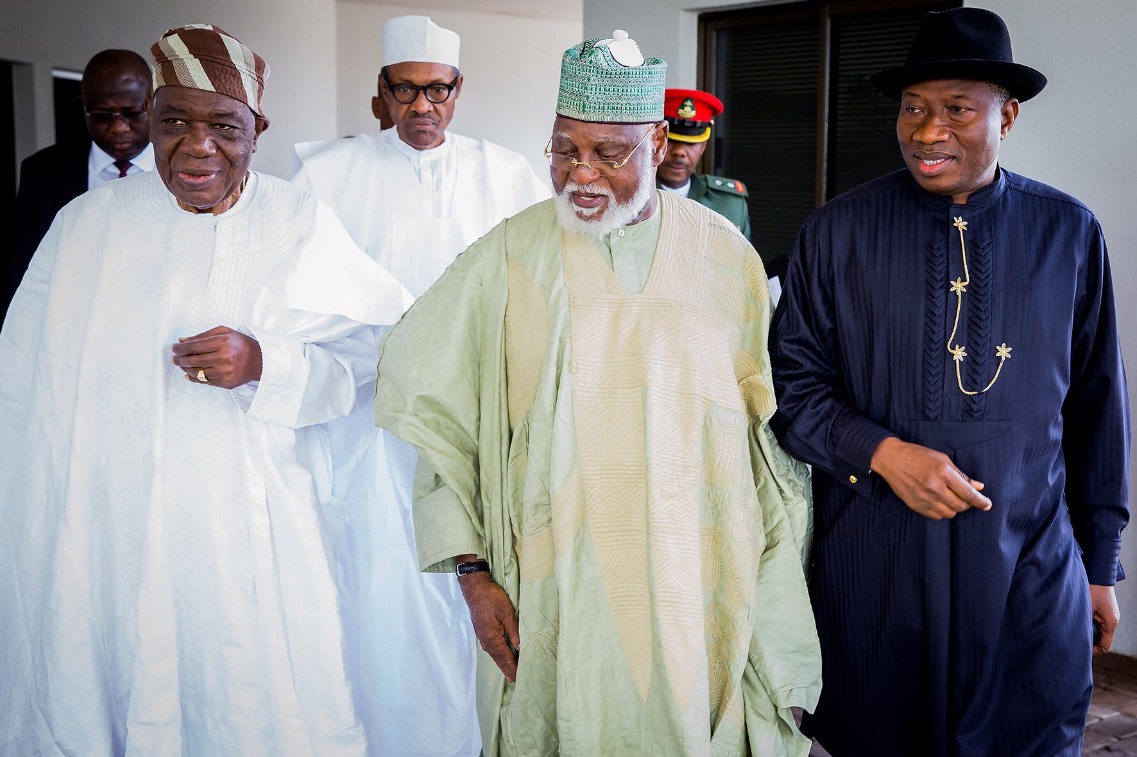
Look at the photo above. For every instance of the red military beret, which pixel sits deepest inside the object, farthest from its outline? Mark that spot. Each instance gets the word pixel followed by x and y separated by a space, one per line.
pixel 690 113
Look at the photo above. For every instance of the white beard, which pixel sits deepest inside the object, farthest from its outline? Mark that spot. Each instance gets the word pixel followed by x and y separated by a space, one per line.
pixel 579 220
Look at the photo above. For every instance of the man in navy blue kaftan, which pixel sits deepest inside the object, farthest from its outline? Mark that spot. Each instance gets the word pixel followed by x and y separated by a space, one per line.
pixel 946 357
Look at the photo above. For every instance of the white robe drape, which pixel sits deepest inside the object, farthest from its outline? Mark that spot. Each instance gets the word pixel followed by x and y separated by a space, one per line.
pixel 165 585
pixel 409 640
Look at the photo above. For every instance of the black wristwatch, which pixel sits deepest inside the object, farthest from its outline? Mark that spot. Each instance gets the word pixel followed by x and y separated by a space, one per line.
pixel 474 566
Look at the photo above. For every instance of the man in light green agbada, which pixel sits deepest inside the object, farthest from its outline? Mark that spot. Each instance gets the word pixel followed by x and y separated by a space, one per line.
pixel 588 388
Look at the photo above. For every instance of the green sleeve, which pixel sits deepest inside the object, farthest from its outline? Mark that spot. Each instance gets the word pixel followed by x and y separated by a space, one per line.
pixel 443 528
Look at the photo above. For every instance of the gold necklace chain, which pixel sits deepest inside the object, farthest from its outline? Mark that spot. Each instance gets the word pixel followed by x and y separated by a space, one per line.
pixel 958 353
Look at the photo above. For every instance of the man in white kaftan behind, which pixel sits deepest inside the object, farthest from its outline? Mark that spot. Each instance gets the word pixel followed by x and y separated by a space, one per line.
pixel 179 338
pixel 412 197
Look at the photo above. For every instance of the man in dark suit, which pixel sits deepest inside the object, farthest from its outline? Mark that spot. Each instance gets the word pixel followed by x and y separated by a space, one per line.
pixel 116 92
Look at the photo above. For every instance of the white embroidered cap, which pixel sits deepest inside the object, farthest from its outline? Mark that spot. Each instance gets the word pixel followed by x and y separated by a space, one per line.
pixel 418 39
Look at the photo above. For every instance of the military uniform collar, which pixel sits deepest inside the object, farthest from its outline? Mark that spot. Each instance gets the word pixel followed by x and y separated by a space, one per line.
pixel 698 186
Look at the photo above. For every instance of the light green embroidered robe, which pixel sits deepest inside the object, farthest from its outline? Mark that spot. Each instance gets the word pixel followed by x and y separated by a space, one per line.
pixel 608 454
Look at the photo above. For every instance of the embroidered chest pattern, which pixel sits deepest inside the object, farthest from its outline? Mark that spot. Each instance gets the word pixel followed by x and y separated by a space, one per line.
pixel 958 352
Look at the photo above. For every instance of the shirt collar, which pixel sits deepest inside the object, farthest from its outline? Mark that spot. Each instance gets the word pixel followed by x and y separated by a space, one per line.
pixel 418 156
pixel 639 230
pixel 683 191
pixel 980 198
pixel 99 160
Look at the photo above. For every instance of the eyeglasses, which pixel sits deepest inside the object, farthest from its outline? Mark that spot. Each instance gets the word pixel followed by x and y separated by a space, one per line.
pixel 563 162
pixel 408 93
pixel 107 117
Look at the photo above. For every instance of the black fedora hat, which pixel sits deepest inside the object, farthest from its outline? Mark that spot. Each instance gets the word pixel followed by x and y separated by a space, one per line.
pixel 962 43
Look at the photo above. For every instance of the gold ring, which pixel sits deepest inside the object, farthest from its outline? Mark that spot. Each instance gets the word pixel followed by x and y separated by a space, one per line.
pixel 201 376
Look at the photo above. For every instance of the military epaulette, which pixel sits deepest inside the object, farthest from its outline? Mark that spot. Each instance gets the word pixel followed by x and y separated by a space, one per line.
pixel 730 186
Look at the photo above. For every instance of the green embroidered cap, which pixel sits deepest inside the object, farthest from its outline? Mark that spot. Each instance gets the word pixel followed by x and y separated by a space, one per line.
pixel 609 81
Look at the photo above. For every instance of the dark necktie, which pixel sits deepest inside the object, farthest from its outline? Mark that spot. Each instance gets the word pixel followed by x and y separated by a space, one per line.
pixel 122 166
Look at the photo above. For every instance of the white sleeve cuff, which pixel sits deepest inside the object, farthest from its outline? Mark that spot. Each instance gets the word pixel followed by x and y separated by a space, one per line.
pixel 277 397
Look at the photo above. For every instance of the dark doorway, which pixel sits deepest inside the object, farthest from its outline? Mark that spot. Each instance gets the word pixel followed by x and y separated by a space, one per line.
pixel 802 123
pixel 7 139
pixel 7 179
pixel 70 123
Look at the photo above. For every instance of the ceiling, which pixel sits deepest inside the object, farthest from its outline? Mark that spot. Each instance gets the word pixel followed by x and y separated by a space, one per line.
pixel 569 10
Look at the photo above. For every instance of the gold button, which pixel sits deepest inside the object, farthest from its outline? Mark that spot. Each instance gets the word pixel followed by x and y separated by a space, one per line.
pixel 852 479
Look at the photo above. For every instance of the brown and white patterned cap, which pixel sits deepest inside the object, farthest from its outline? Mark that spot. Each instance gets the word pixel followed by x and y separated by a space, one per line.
pixel 202 56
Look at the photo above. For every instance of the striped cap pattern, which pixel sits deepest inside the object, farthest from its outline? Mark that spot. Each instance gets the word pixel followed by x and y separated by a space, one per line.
pixel 596 87
pixel 202 56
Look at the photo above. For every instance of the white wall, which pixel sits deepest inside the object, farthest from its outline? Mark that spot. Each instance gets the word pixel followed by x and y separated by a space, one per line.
pixel 296 37
pixel 511 67
pixel 1064 137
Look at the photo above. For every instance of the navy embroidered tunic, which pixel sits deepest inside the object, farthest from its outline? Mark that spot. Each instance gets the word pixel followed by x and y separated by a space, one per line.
pixel 969 636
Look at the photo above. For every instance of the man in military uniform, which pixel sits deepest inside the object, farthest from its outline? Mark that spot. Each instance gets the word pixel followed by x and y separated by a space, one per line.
pixel 690 114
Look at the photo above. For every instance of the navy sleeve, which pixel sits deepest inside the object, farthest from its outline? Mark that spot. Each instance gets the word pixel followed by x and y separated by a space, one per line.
pixel 815 421
pixel 1095 415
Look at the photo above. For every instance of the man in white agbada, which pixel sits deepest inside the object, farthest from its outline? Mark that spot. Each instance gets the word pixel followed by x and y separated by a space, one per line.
pixel 412 197
pixel 415 196
pixel 168 361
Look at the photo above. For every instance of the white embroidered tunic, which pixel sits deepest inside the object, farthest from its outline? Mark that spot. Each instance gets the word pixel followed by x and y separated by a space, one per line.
pixel 411 648
pixel 165 587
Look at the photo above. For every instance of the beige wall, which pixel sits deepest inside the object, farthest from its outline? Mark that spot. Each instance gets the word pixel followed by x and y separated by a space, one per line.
pixel 1064 137
pixel 511 67
pixel 296 37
